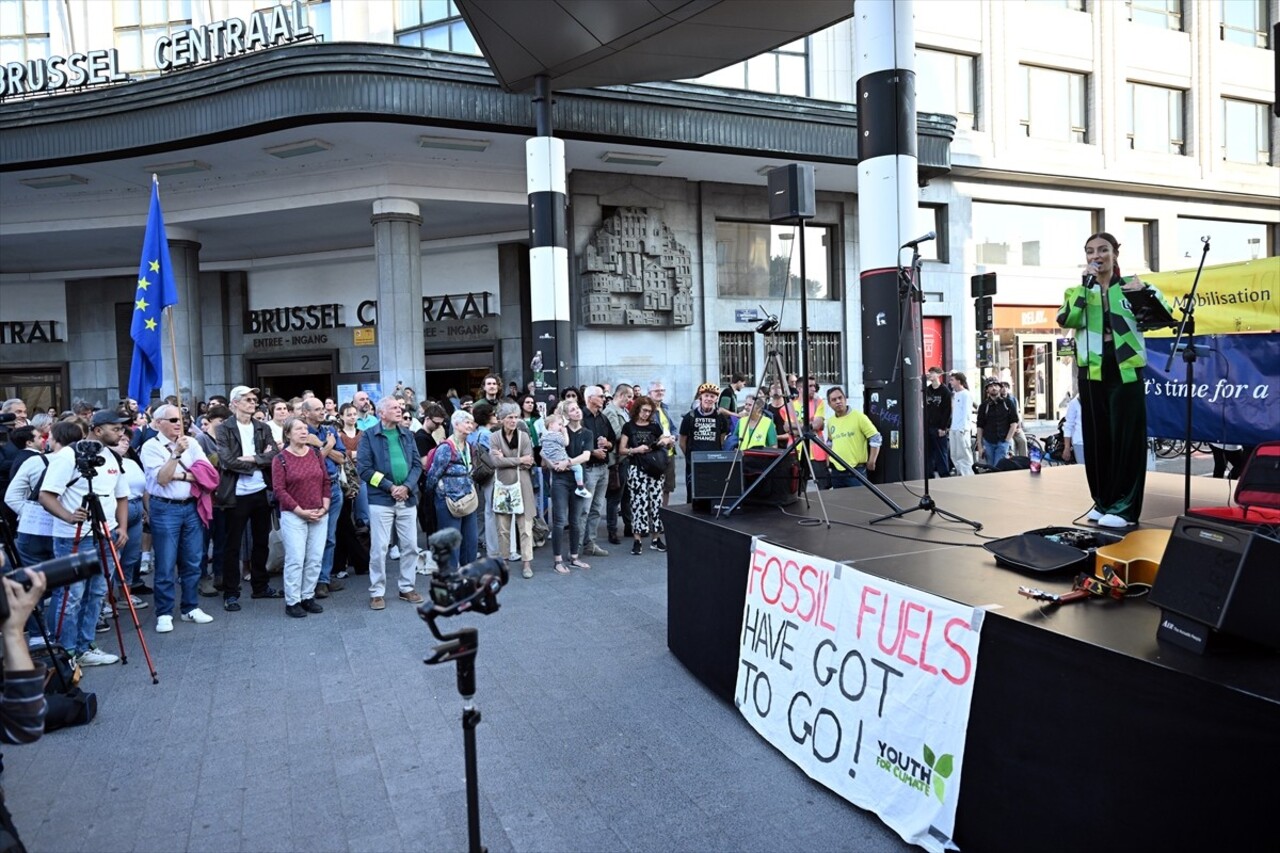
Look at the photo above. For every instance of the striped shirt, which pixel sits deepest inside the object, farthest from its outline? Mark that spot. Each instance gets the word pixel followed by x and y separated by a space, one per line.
pixel 22 706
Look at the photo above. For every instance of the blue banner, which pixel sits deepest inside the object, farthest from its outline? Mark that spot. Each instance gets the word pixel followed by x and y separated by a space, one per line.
pixel 1236 393
pixel 155 292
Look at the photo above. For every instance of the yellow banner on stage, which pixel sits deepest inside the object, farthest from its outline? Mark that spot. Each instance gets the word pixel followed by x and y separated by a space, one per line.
pixel 1239 297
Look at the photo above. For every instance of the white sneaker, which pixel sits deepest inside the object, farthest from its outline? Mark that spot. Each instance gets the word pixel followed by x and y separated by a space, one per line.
pixel 1110 520
pixel 197 616
pixel 394 553
pixel 582 492
pixel 1094 514
pixel 96 657
pixel 139 603
pixel 146 563
pixel 164 624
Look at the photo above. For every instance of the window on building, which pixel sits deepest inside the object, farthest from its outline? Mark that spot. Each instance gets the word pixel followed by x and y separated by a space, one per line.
pixel 1229 242
pixel 737 355
pixel 1246 132
pixel 784 71
pixel 824 357
pixel 762 261
pixel 138 23
pixel 946 83
pixel 24 30
pixel 1138 246
pixel 1031 236
pixel 1245 22
pixel 931 217
pixel 1156 119
pixel 434 24
pixel 1054 104
pixel 1156 13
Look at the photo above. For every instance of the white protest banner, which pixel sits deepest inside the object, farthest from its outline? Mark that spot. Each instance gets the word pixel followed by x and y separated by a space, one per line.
pixel 864 683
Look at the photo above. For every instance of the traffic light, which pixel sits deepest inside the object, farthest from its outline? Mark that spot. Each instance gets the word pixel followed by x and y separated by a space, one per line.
pixel 983 313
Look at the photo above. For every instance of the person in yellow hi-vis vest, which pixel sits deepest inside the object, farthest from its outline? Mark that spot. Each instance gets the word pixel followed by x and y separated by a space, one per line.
pixel 658 391
pixel 817 419
pixel 757 429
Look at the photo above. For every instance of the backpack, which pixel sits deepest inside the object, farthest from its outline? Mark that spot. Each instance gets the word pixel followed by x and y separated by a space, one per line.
pixel 481 467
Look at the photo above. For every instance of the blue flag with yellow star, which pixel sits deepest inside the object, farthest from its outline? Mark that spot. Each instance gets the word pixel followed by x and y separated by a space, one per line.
pixel 156 291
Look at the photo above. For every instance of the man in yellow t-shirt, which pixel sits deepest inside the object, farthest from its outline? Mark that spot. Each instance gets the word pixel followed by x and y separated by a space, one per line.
pixel 853 438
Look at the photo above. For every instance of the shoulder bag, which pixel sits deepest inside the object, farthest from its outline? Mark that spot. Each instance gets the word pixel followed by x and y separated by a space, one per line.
pixel 468 503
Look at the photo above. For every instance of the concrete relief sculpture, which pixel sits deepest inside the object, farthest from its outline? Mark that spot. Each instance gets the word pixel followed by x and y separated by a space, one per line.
pixel 635 273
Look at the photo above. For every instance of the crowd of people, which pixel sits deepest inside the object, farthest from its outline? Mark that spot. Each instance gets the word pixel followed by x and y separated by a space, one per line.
pixel 236 488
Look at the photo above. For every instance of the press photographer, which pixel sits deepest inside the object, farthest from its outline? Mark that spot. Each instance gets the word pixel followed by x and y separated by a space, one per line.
pixel 22 703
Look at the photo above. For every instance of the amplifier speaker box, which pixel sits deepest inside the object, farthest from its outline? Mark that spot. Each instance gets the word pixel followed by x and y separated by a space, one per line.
pixel 715 474
pixel 1218 578
pixel 791 193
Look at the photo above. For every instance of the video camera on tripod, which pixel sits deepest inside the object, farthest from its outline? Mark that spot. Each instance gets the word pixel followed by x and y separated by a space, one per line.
pixel 59 572
pixel 88 456
pixel 472 587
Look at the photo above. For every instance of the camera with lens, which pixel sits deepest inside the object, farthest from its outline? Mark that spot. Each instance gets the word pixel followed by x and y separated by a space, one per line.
pixel 89 456
pixel 61 571
pixel 458 589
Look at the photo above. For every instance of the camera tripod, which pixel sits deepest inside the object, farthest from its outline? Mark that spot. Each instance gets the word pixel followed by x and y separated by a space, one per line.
pixel 109 559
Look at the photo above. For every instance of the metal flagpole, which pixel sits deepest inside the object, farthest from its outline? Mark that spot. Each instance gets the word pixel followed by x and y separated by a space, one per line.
pixel 173 341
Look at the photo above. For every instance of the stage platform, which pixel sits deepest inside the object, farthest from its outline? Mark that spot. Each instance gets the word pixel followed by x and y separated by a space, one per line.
pixel 1084 732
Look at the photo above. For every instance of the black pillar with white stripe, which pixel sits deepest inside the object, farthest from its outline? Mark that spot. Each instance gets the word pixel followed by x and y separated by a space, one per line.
pixel 884 36
pixel 548 250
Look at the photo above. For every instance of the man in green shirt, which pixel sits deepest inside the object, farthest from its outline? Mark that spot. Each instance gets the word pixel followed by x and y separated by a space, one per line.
pixel 852 436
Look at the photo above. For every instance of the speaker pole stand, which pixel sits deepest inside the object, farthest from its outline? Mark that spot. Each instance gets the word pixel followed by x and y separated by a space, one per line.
pixel 911 294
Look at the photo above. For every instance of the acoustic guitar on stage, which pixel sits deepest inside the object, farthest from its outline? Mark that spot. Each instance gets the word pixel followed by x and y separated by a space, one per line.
pixel 1135 558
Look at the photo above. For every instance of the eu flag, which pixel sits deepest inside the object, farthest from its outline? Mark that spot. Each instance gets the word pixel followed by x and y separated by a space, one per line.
pixel 155 292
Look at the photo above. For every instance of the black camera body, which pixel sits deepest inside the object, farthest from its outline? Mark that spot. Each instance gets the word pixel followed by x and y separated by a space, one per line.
pixel 88 455
pixel 61 571
pixel 456 589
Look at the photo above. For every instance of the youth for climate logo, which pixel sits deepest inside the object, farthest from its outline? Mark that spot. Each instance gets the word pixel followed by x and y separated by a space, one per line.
pixel 931 774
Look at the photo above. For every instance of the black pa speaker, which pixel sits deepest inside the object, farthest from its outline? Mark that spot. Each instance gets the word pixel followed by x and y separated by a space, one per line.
pixel 1216 577
pixel 791 193
pixel 715 474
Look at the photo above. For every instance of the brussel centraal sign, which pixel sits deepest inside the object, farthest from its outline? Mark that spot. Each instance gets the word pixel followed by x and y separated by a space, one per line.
pixel 212 42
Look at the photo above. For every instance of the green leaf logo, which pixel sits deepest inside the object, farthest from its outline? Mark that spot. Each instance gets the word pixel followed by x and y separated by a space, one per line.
pixel 939 788
pixel 928 755
pixel 944 766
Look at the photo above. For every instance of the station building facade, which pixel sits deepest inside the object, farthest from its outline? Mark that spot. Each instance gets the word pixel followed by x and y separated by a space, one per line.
pixel 332 171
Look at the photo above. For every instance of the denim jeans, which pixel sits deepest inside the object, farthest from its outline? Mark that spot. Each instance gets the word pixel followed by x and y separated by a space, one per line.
pixel 131 554
pixel 596 479
pixel 83 604
pixel 487 522
pixel 331 532
pixel 468 526
pixel 404 520
pixel 33 548
pixel 304 548
pixel 996 451
pixel 566 508
pixel 939 464
pixel 177 537
pixel 361 514
pixel 845 480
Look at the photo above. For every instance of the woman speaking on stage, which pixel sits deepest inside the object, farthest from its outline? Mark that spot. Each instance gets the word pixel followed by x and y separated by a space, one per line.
pixel 1110 355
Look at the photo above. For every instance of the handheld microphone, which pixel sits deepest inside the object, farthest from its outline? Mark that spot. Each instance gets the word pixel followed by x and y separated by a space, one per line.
pixel 917 241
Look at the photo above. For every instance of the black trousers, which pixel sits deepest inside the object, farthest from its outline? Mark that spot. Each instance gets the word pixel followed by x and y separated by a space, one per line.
pixel 252 511
pixel 1114 416
pixel 348 550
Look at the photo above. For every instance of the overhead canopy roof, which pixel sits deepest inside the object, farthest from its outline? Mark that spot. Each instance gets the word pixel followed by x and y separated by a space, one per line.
pixel 583 43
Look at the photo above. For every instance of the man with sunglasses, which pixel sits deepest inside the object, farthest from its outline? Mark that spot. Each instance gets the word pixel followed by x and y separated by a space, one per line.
pixel 177 534
pixel 245 451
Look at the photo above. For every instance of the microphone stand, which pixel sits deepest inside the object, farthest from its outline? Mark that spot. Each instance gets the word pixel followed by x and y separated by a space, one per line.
pixel 911 292
pixel 1189 355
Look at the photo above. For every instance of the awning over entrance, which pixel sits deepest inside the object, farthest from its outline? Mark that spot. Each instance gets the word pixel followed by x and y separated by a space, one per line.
pixel 582 43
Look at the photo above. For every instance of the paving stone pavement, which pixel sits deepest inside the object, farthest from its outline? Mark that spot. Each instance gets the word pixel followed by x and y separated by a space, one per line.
pixel 328 733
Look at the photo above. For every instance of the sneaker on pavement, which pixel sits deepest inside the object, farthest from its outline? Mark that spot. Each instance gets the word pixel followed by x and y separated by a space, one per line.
pixel 197 616
pixel 594 550
pixel 231 605
pixel 1094 514
pixel 96 657
pixel 637 548
pixel 342 574
pixel 659 545
pixel 394 553
pixel 1110 520
pixel 310 605
pixel 164 624
pixel 102 626
pixel 322 590
pixel 336 585
pixel 412 596
pixel 138 603
pixel 209 587
pixel 269 592
pixel 377 603
pixel 295 610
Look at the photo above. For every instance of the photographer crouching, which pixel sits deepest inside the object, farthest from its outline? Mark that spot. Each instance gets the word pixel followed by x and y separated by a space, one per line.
pixel 22 703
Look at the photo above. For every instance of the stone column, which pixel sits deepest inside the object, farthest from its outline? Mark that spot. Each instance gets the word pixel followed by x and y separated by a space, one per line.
pixel 397 248
pixel 188 332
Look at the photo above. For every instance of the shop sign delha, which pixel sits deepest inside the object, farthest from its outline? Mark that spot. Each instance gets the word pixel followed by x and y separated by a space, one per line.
pixel 865 684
